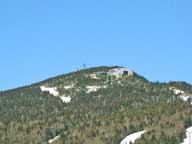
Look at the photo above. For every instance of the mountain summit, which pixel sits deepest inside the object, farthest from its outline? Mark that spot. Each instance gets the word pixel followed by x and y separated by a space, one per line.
pixel 100 105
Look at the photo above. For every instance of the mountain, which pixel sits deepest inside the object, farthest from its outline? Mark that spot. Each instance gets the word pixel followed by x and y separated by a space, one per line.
pixel 100 105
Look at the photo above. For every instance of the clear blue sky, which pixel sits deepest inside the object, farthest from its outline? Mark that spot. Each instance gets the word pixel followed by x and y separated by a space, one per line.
pixel 43 38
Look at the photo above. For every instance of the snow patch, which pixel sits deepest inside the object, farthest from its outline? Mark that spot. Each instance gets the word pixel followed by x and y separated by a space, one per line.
pixel 52 90
pixel 133 137
pixel 54 139
pixel 68 87
pixel 185 98
pixel 104 86
pixel 176 91
pixel 188 139
pixel 92 88
pixel 119 82
pixel 181 94
pixel 66 99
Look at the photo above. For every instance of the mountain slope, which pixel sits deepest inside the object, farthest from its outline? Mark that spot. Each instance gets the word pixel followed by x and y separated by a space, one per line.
pixel 102 110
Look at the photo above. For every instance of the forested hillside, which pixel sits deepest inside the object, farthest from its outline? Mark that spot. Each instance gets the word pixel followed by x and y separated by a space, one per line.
pixel 102 110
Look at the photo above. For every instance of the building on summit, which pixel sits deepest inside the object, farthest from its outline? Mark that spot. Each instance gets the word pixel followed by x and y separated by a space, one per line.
pixel 120 72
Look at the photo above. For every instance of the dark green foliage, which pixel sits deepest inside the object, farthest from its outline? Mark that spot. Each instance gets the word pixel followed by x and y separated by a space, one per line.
pixel 106 116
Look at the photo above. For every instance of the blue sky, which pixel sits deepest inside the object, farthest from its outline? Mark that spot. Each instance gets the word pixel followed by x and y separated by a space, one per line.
pixel 44 38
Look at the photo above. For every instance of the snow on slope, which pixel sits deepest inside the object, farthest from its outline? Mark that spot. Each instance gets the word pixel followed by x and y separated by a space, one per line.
pixel 133 137
pixel 54 139
pixel 188 139
pixel 66 99
pixel 185 98
pixel 176 91
pixel 181 94
pixel 68 87
pixel 53 91
pixel 92 88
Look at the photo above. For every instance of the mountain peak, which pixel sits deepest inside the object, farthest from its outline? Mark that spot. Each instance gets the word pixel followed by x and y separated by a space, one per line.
pixel 96 105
